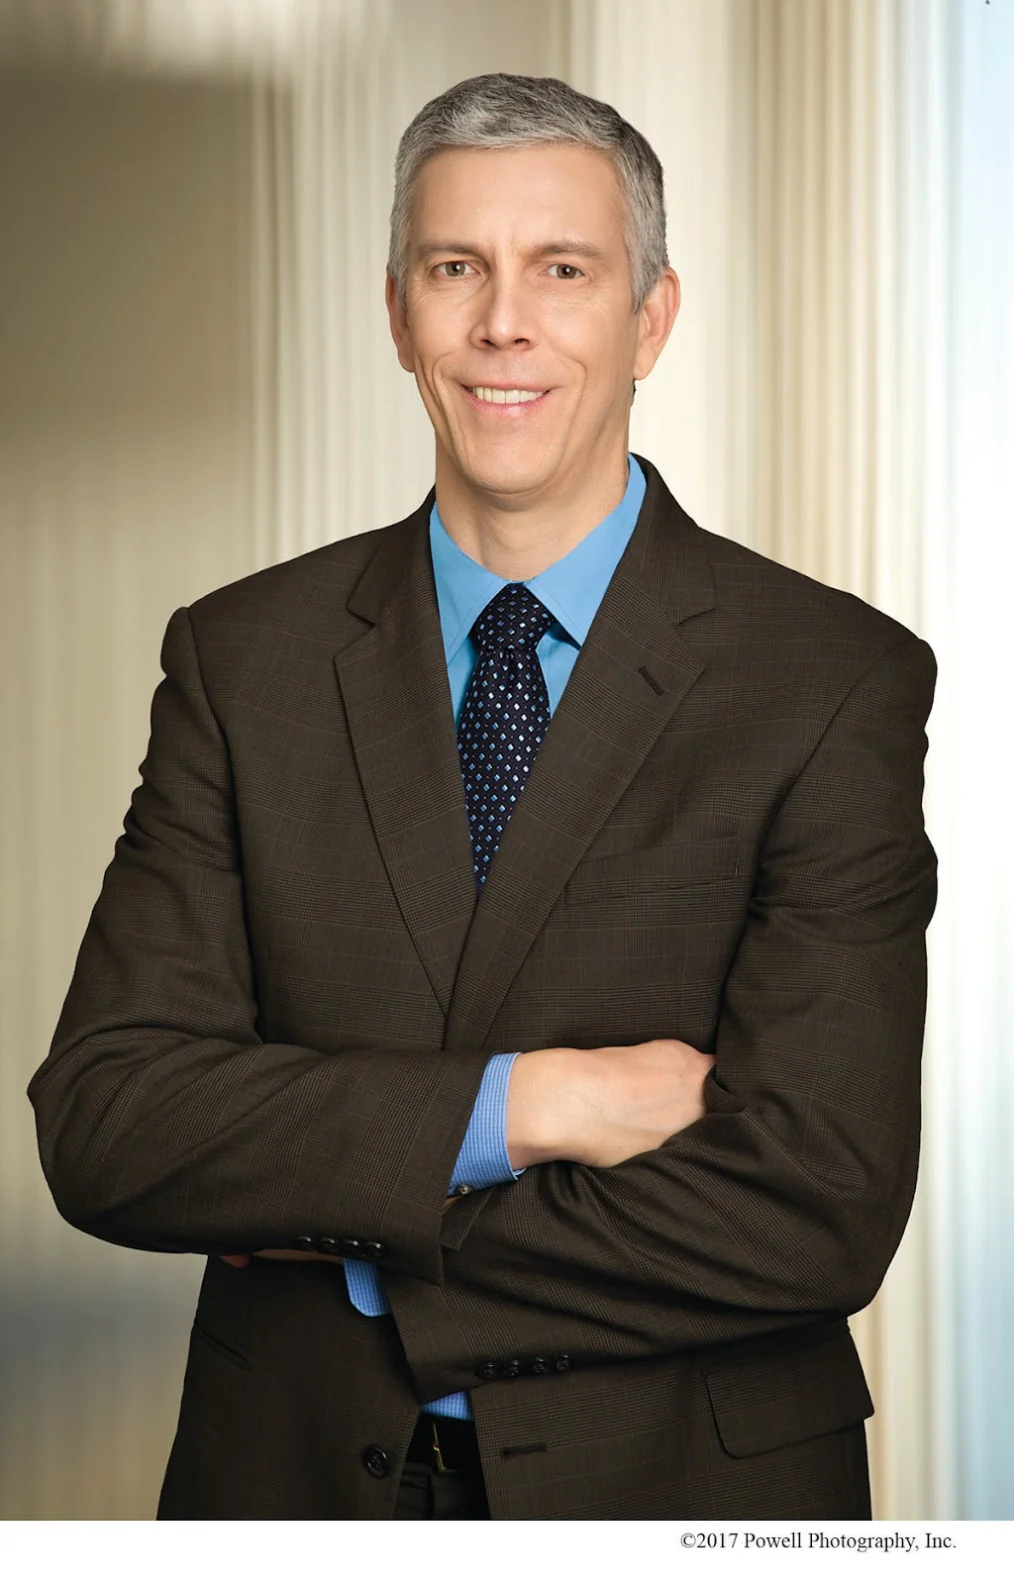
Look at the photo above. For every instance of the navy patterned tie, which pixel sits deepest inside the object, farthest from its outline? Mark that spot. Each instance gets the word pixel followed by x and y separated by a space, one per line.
pixel 504 715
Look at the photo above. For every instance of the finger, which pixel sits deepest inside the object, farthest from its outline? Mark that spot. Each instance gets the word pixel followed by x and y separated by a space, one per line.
pixel 239 1260
pixel 297 1254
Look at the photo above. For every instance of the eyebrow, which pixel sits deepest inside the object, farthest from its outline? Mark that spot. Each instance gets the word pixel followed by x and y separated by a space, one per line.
pixel 571 246
pixel 586 250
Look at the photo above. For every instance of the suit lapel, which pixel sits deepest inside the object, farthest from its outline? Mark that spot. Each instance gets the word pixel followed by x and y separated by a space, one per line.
pixel 633 670
pixel 397 700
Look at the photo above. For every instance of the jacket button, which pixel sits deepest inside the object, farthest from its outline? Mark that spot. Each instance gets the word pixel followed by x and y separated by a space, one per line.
pixel 307 1244
pixel 511 1368
pixel 374 1250
pixel 562 1362
pixel 539 1366
pixel 376 1461
pixel 487 1370
pixel 351 1248
pixel 326 1246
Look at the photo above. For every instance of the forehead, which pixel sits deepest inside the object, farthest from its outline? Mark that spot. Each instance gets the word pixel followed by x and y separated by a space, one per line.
pixel 529 194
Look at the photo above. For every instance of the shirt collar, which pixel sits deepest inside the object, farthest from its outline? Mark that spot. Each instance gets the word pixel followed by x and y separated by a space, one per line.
pixel 572 588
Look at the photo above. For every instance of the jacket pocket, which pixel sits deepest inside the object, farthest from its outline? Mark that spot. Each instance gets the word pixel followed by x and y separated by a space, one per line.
pixel 222 1311
pixel 218 1346
pixel 675 866
pixel 777 1398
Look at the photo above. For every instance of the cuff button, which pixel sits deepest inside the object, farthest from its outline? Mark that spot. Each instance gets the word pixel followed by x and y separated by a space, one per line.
pixel 562 1362
pixel 511 1368
pixel 376 1461
pixel 487 1370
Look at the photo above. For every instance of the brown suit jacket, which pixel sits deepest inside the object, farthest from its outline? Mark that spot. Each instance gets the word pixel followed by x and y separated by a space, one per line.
pixel 287 995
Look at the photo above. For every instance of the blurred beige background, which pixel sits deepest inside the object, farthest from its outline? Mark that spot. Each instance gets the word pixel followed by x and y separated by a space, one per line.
pixel 196 380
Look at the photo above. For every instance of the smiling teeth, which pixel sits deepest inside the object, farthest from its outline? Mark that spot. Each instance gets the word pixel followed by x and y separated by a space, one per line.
pixel 504 398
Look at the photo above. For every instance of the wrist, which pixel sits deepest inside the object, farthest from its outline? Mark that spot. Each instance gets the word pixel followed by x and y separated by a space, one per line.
pixel 536 1109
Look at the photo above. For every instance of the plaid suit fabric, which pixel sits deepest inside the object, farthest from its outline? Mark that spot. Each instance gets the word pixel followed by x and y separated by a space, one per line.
pixel 288 992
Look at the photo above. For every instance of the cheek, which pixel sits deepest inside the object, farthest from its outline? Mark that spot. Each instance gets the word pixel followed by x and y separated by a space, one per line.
pixel 429 336
pixel 438 362
pixel 430 355
pixel 595 344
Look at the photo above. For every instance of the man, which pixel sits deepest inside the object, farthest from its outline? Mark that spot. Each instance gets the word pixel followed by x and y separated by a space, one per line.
pixel 511 974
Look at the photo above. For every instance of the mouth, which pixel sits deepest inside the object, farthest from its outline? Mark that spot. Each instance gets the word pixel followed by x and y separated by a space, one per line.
pixel 505 399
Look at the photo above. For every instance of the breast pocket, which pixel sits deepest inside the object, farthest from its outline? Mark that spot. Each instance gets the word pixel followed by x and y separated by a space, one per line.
pixel 685 867
pixel 642 942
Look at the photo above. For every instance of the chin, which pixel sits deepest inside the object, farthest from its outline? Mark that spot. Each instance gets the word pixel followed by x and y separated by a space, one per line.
pixel 516 475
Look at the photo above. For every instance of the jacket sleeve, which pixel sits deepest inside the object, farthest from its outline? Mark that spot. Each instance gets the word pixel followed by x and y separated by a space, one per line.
pixel 787 1200
pixel 164 1121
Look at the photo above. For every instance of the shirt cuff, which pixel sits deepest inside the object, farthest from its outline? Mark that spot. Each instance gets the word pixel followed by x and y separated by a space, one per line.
pixel 483 1159
pixel 362 1282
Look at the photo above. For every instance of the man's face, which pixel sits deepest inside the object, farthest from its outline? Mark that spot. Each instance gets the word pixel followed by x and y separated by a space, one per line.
pixel 518 322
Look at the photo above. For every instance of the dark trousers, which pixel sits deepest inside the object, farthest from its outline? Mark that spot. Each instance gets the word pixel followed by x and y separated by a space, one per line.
pixel 442 1481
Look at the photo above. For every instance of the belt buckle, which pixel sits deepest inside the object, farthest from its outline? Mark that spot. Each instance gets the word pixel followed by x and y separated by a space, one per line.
pixel 441 1465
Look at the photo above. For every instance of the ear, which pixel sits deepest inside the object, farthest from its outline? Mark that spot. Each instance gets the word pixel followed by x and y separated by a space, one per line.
pixel 398 318
pixel 657 316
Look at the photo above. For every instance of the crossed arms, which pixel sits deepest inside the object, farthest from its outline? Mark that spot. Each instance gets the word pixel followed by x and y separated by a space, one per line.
pixel 166 1122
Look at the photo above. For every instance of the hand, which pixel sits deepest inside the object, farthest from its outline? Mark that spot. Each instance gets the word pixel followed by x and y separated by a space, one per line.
pixel 600 1107
pixel 239 1260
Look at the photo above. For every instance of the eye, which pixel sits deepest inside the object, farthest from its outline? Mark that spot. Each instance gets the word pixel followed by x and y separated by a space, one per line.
pixel 453 269
pixel 568 271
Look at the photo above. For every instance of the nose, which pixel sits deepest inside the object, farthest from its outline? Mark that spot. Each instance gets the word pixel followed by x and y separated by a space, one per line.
pixel 506 314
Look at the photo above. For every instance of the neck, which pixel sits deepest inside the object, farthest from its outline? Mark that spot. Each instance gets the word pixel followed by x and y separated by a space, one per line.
pixel 518 537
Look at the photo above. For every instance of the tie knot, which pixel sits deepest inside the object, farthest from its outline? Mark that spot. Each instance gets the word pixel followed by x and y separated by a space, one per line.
pixel 514 619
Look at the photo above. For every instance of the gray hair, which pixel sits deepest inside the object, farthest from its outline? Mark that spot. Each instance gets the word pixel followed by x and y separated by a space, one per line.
pixel 502 111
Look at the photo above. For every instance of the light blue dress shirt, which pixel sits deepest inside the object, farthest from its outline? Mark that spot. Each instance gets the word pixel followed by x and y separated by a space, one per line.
pixel 572 589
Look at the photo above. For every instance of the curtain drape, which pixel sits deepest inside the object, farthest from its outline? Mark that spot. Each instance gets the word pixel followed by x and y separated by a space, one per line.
pixel 841 212
pixel 968 573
